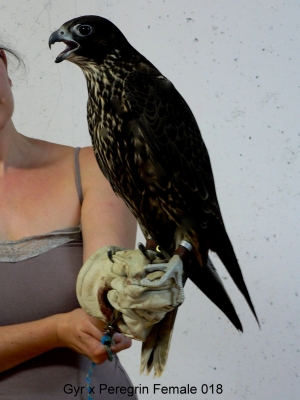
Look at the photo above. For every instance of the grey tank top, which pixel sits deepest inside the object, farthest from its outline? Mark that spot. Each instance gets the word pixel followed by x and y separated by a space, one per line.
pixel 37 279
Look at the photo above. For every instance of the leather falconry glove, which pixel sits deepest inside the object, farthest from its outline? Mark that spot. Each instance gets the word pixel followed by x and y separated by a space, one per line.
pixel 115 281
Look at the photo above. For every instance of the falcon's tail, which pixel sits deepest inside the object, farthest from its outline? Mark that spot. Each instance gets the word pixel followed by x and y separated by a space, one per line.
pixel 208 281
pixel 226 254
pixel 155 349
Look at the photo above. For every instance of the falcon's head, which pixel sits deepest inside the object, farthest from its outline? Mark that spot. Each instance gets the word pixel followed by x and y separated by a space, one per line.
pixel 88 38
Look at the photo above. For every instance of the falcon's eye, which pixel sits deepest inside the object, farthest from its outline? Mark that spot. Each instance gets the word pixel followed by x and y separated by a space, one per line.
pixel 84 30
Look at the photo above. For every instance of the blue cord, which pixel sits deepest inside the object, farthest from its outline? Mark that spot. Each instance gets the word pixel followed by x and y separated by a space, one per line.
pixel 88 380
pixel 107 341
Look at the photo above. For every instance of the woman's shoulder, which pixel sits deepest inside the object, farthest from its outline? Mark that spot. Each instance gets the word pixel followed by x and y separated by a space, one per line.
pixel 87 157
pixel 54 155
pixel 46 152
pixel 49 153
pixel 90 170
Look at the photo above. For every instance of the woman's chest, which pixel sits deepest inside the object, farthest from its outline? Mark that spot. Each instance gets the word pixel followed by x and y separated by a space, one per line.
pixel 37 201
pixel 40 286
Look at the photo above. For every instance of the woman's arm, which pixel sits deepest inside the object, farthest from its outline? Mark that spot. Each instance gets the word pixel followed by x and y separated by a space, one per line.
pixel 75 329
pixel 105 219
pixel 23 341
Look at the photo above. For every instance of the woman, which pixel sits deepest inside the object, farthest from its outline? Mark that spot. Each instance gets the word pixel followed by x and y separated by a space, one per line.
pixel 56 209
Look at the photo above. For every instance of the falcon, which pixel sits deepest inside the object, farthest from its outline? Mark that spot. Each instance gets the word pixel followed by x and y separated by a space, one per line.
pixel 148 145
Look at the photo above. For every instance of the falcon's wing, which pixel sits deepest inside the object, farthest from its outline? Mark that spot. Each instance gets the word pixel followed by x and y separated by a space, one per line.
pixel 171 132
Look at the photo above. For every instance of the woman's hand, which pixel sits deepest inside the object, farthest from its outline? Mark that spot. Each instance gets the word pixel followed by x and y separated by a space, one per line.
pixel 82 333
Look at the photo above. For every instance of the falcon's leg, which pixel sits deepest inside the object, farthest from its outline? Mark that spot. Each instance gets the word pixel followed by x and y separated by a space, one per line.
pixel 173 269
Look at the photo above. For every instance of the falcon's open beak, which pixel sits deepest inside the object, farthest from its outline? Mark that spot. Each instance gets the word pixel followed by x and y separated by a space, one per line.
pixel 61 36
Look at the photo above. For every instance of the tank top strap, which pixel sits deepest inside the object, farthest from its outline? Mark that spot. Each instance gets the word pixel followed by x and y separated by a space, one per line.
pixel 77 175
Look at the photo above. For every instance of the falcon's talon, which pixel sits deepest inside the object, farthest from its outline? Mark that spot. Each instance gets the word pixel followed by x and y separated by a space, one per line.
pixel 149 254
pixel 173 269
pixel 110 254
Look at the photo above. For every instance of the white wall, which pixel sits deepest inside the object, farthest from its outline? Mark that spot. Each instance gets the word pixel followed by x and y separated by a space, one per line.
pixel 237 65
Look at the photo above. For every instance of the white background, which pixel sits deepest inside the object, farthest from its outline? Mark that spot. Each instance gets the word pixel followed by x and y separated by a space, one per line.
pixel 237 65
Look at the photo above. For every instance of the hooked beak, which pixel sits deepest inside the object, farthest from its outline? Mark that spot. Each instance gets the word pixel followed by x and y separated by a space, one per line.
pixel 61 36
